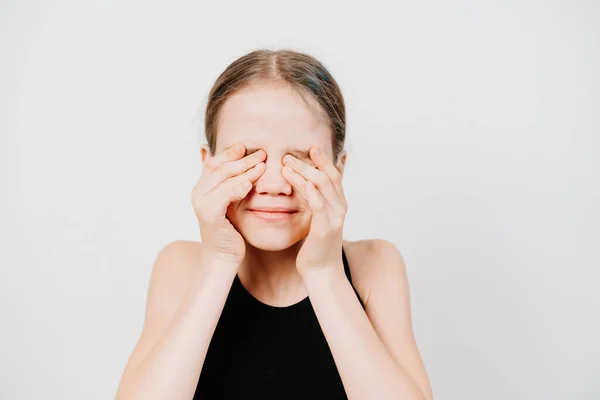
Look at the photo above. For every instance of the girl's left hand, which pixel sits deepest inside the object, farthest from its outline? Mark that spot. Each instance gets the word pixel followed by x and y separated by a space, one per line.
pixel 321 187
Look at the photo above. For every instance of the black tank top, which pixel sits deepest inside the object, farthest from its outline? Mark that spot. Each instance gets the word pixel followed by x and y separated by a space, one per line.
pixel 264 352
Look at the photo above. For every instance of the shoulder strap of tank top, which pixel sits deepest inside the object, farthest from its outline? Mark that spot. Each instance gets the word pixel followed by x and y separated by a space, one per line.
pixel 347 271
pixel 346 266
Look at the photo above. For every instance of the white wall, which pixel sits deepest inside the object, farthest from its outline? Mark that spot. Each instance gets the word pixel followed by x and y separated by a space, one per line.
pixel 473 145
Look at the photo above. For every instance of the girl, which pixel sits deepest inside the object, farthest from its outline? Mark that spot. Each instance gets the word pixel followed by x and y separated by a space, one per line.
pixel 273 303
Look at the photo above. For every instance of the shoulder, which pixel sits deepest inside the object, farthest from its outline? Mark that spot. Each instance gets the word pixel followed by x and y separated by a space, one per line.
pixel 174 260
pixel 183 250
pixel 370 261
pixel 372 247
pixel 170 273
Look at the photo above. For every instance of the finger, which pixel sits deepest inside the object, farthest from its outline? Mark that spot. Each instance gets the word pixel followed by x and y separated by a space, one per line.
pixel 325 164
pixel 297 181
pixel 316 201
pixel 240 185
pixel 320 180
pixel 231 153
pixel 228 169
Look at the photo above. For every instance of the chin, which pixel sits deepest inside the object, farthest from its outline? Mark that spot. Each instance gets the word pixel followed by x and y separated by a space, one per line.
pixel 271 243
pixel 270 236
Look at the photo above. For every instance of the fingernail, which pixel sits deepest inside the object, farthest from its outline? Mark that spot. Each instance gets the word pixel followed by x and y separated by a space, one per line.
pixel 316 151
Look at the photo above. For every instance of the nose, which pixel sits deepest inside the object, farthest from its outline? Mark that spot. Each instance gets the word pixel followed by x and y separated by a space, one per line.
pixel 272 181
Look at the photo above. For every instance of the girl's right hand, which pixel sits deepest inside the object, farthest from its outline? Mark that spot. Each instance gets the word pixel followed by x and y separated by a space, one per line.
pixel 225 179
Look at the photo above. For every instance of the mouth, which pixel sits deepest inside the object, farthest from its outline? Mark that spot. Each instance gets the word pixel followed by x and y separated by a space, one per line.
pixel 273 216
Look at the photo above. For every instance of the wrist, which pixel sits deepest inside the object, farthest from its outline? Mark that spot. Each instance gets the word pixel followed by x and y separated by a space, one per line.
pixel 324 273
pixel 218 266
pixel 211 273
pixel 209 259
pixel 210 267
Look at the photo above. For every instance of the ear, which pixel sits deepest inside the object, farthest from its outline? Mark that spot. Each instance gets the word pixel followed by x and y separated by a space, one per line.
pixel 341 162
pixel 204 152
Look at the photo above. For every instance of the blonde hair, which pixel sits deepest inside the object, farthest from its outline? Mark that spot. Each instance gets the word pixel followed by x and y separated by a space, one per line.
pixel 302 72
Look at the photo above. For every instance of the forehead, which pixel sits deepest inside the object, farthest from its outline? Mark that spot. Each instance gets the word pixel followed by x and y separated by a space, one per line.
pixel 274 117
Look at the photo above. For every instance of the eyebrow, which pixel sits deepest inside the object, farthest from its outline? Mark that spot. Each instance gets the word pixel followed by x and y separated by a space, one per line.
pixel 299 153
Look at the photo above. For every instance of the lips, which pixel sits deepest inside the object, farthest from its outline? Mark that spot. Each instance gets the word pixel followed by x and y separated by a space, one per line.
pixel 274 209
pixel 273 214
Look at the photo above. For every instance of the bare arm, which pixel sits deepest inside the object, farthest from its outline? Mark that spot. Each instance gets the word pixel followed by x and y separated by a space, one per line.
pixel 374 349
pixel 183 307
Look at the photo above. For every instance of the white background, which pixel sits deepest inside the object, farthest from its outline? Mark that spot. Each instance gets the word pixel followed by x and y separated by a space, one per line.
pixel 473 142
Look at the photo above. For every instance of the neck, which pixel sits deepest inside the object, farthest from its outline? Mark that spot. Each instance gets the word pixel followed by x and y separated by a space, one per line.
pixel 271 276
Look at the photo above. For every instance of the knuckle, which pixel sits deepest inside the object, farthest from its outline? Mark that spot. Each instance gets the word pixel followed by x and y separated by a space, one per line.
pixel 225 169
pixel 260 166
pixel 246 176
pixel 242 187
pixel 232 151
pixel 250 161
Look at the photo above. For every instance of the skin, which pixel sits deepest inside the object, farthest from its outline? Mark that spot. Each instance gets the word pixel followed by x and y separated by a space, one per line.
pixel 279 267
pixel 374 348
pixel 275 119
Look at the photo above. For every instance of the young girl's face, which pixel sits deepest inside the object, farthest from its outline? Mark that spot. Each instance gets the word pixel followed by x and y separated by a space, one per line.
pixel 275 118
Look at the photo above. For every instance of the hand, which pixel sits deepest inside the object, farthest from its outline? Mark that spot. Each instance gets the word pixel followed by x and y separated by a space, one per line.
pixel 225 179
pixel 321 187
